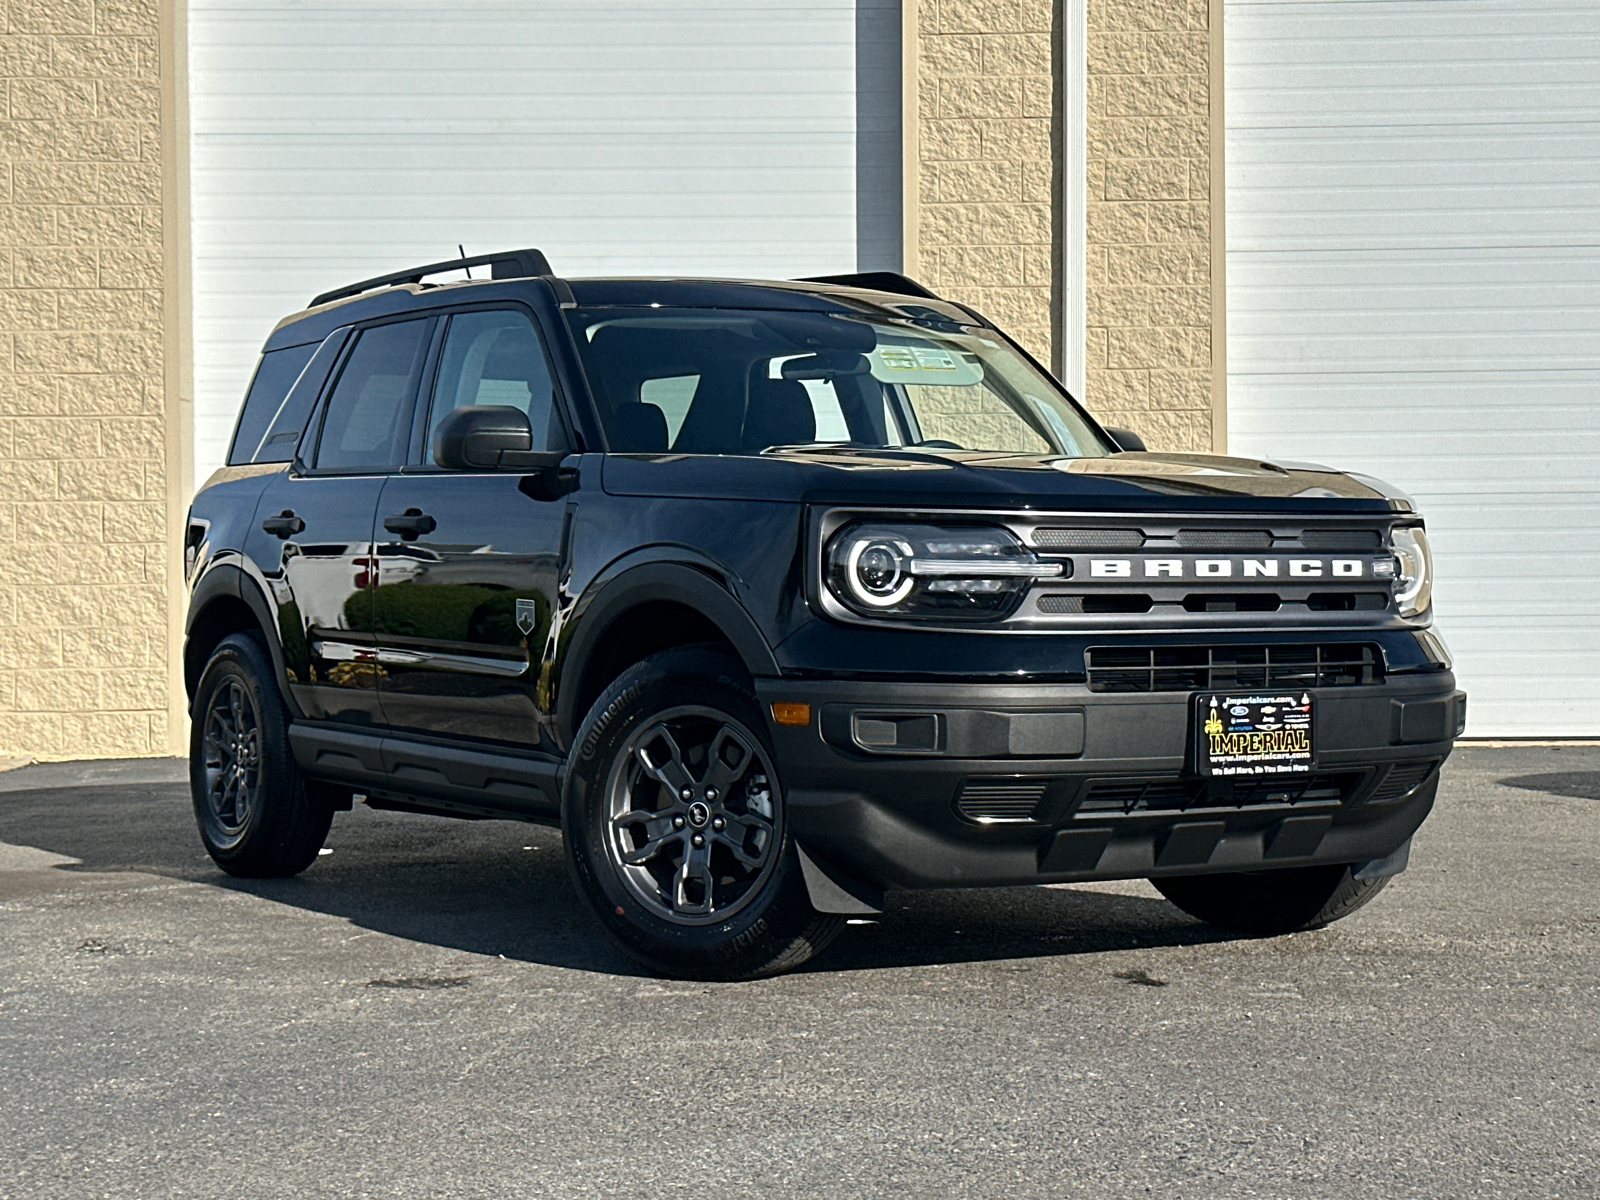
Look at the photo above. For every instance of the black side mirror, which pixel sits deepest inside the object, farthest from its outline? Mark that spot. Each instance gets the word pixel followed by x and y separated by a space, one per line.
pixel 1126 439
pixel 490 437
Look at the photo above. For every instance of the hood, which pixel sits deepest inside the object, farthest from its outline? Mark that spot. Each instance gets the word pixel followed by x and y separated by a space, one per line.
pixel 846 475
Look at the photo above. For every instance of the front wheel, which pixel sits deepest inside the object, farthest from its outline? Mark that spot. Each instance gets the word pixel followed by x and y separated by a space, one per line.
pixel 674 822
pixel 1271 902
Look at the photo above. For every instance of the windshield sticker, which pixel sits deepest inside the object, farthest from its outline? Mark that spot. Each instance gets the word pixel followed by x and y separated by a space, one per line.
pixel 899 362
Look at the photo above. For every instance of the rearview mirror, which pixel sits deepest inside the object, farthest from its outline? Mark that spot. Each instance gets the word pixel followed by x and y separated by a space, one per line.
pixel 489 437
pixel 826 364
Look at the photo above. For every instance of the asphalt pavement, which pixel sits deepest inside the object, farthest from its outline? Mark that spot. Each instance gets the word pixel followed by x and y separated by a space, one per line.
pixel 429 1011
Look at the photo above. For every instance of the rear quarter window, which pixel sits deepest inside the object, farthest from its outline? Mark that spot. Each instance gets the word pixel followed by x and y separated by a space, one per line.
pixel 275 375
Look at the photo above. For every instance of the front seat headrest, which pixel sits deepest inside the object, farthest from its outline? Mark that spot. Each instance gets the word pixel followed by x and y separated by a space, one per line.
pixel 780 414
pixel 638 429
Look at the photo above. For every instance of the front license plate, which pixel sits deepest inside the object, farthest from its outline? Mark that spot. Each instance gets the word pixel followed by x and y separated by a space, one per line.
pixel 1254 733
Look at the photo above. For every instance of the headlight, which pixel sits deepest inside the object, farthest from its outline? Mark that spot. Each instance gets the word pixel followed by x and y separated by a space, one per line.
pixel 1413 586
pixel 927 571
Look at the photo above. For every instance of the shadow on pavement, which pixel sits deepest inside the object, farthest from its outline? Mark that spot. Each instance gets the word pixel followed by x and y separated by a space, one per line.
pixel 1579 785
pixel 501 888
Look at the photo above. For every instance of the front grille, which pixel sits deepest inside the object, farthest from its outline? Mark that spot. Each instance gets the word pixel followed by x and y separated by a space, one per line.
pixel 1129 797
pixel 1088 539
pixel 1231 668
pixel 1056 602
pixel 1337 541
pixel 990 800
pixel 1138 795
pixel 1402 780
pixel 1224 539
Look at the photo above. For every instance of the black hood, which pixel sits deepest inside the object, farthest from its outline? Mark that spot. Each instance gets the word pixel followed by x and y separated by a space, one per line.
pixel 842 474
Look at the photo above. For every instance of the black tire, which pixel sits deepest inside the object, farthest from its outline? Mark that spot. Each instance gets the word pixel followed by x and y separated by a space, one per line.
pixel 258 817
pixel 1265 903
pixel 733 905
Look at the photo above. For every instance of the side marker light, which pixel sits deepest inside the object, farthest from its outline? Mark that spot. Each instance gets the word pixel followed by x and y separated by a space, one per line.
pixel 790 712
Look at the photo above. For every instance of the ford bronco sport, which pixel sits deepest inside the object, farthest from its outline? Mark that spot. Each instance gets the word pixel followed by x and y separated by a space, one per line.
pixel 775 596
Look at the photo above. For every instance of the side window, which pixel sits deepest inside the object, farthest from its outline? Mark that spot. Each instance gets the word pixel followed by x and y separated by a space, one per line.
pixel 497 358
pixel 829 415
pixel 672 395
pixel 366 426
pixel 282 437
pixel 275 375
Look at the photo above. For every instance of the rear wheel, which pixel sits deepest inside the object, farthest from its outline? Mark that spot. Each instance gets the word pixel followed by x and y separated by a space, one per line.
pixel 1271 902
pixel 675 828
pixel 258 817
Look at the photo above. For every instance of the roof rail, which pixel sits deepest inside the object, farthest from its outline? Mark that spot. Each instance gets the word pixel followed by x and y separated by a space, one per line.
pixel 877 281
pixel 507 264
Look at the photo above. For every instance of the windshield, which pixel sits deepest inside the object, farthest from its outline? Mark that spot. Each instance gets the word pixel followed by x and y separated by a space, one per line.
pixel 728 381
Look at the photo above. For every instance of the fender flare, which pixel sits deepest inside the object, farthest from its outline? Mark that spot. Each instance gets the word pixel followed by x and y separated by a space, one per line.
pixel 229 581
pixel 691 585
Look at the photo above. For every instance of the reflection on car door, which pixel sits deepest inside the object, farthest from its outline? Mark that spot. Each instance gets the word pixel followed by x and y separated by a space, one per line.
pixel 470 562
pixel 314 526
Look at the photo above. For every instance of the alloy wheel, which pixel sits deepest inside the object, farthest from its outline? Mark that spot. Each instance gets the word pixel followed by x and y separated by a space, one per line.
pixel 232 758
pixel 693 820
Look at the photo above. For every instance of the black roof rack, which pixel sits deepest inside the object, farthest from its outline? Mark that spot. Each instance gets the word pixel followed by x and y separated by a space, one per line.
pixel 877 281
pixel 507 264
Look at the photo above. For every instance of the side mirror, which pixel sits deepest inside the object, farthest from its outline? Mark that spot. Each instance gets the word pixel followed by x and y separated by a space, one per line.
pixel 1126 439
pixel 490 437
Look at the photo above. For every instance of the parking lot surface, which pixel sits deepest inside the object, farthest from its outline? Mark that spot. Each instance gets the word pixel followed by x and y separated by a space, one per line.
pixel 429 1011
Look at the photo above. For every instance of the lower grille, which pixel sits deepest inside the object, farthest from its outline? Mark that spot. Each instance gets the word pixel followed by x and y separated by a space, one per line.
pixel 1205 668
pixel 1402 780
pixel 1132 796
pixel 991 800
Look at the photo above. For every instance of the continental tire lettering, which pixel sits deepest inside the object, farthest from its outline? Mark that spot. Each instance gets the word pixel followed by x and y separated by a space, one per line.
pixel 749 936
pixel 604 721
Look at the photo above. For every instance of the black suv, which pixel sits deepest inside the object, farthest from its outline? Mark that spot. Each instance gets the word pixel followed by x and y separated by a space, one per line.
pixel 779 595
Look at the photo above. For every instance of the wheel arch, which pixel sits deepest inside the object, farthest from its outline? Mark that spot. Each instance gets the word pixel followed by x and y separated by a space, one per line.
pixel 639 611
pixel 225 601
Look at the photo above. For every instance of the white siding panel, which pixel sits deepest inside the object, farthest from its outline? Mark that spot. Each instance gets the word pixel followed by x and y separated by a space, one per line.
pixel 1414 292
pixel 332 141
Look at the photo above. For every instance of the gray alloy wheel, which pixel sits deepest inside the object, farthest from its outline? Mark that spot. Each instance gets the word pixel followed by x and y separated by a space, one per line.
pixel 675 828
pixel 231 745
pixel 694 821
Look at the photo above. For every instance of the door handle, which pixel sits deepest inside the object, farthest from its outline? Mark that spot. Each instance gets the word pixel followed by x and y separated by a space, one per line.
pixel 410 524
pixel 284 525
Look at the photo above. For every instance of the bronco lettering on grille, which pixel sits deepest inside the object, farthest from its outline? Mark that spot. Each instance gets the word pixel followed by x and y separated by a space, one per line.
pixel 1228 568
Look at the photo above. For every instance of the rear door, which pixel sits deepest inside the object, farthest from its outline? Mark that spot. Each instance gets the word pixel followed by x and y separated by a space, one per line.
pixel 470 561
pixel 313 534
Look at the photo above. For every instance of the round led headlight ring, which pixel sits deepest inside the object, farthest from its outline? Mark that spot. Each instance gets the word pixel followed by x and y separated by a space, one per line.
pixel 878 571
pixel 1414 582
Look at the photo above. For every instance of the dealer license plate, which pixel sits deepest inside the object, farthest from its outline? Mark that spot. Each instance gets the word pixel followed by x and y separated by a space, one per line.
pixel 1254 733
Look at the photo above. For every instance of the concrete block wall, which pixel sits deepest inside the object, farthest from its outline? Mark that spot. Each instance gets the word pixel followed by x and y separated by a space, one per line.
pixel 988 153
pixel 986 138
pixel 83 471
pixel 1148 270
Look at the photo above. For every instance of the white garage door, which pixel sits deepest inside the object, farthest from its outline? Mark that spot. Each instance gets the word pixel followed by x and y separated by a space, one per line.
pixel 1414 291
pixel 337 140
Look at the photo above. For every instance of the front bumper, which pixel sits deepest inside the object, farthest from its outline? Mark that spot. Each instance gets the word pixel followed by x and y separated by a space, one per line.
pixel 924 785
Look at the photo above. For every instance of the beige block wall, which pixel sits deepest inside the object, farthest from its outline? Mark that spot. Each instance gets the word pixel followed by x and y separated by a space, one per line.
pixel 985 139
pixel 84 510
pixel 988 227
pixel 1148 269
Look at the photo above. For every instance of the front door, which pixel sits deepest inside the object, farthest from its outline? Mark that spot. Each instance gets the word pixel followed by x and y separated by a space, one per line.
pixel 469 562
pixel 313 538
